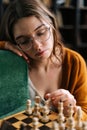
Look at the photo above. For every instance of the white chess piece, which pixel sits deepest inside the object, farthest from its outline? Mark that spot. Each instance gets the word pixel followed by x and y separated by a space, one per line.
pixel 36 112
pixel 45 117
pixel 79 121
pixel 61 117
pixel 29 109
pixel 35 123
pixel 55 125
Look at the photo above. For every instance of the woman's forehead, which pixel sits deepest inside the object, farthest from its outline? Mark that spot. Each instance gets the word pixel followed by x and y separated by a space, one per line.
pixel 30 21
pixel 28 24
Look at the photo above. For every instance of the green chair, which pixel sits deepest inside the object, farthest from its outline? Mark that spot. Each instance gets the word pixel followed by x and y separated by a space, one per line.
pixel 13 83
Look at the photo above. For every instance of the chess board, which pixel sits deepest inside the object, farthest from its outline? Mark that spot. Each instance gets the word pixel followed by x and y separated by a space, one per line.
pixel 46 119
pixel 16 120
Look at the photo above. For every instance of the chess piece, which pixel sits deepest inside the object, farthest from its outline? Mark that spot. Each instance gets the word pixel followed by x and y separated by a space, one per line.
pixel 45 117
pixel 71 124
pixel 29 109
pixel 55 126
pixel 79 122
pixel 37 99
pixel 84 125
pixel 6 125
pixel 23 127
pixel 61 117
pixel 70 120
pixel 48 102
pixel 36 112
pixel 35 123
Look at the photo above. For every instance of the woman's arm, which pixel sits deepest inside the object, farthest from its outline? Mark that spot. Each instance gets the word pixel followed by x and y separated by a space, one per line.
pixel 8 46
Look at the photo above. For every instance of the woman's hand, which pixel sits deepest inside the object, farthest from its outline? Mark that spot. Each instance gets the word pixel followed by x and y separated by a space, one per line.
pixel 62 95
pixel 15 49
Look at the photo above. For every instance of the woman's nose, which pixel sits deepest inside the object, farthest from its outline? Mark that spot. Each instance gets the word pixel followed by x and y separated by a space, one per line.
pixel 36 44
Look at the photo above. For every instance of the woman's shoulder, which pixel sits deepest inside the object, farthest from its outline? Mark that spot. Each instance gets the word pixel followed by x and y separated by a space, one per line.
pixel 72 55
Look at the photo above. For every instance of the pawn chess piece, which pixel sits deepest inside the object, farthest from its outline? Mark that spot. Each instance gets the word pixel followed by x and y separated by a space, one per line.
pixel 84 125
pixel 29 109
pixel 55 126
pixel 37 99
pixel 35 124
pixel 79 121
pixel 45 112
pixel 36 112
pixel 71 124
pixel 23 127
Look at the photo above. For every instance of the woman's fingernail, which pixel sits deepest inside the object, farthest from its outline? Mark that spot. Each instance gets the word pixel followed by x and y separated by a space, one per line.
pixel 53 98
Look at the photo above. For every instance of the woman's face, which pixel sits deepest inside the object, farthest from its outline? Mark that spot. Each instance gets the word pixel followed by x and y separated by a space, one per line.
pixel 34 37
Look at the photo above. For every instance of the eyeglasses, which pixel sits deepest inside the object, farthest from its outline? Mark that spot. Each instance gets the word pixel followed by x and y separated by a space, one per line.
pixel 41 35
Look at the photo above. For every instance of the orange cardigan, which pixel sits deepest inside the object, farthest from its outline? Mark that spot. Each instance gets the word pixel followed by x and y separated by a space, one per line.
pixel 2 44
pixel 74 78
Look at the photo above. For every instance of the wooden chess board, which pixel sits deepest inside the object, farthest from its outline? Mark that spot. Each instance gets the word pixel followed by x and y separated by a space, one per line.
pixel 46 119
pixel 16 120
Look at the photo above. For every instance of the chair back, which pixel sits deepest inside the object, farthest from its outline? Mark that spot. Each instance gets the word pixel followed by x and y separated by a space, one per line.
pixel 13 83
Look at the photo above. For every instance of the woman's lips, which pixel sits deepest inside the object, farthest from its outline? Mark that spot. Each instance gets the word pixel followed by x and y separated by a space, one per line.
pixel 40 53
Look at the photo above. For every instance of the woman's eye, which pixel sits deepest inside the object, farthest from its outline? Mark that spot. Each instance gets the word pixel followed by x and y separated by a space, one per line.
pixel 41 32
pixel 26 41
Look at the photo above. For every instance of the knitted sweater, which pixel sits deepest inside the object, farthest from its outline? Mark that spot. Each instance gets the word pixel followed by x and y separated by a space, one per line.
pixel 75 78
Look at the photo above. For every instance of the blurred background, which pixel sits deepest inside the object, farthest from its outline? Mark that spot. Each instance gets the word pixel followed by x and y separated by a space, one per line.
pixel 71 16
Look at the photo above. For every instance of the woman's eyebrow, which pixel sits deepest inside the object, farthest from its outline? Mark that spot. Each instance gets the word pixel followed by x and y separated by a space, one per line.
pixel 39 27
pixel 18 37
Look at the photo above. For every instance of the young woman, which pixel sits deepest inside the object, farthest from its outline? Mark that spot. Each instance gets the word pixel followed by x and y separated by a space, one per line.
pixel 55 71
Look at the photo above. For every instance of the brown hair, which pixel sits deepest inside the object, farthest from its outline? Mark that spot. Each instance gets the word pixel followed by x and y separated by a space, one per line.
pixel 24 8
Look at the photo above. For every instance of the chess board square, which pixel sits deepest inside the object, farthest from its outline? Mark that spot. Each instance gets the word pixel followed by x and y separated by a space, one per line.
pixel 44 127
pixel 27 120
pixel 28 127
pixel 6 126
pixel 20 116
pixel 53 116
pixel 12 120
pixel 49 124
pixel 17 124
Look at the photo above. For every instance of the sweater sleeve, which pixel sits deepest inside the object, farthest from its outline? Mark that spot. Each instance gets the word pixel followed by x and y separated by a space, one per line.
pixel 2 45
pixel 80 90
pixel 75 79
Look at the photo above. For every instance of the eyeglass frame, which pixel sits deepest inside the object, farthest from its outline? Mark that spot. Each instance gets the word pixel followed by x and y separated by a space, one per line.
pixel 33 38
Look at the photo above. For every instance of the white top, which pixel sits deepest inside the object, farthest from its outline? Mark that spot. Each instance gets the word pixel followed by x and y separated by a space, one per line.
pixel 34 92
